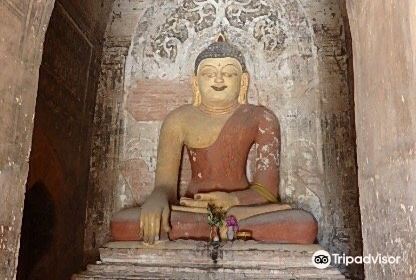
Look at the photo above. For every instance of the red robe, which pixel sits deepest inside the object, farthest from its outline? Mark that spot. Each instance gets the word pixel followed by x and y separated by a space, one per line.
pixel 222 166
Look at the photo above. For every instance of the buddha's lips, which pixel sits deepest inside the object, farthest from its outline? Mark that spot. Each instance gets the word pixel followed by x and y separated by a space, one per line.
pixel 219 88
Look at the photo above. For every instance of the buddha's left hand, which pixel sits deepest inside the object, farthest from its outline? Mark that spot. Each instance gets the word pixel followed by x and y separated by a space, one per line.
pixel 220 199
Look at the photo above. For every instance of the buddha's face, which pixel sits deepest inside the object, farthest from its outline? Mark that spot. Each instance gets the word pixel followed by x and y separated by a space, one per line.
pixel 219 81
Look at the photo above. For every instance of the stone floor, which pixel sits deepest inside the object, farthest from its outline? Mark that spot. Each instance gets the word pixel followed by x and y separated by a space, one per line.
pixel 193 260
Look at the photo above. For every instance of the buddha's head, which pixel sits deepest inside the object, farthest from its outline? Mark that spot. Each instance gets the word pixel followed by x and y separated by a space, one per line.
pixel 221 79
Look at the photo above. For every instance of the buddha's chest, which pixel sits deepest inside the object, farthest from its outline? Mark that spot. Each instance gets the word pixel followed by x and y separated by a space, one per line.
pixel 202 133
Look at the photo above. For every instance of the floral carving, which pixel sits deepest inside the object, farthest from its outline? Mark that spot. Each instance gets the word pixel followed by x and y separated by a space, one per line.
pixel 268 26
pixel 200 14
pixel 257 17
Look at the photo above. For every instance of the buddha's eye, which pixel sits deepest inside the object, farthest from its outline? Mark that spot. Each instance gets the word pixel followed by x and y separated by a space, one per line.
pixel 229 74
pixel 208 74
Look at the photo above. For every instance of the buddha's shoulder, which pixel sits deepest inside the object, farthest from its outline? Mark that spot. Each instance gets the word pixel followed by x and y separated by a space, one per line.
pixel 261 112
pixel 182 111
pixel 179 114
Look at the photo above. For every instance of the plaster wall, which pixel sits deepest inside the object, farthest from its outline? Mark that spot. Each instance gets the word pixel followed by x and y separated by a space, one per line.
pixel 384 45
pixel 22 29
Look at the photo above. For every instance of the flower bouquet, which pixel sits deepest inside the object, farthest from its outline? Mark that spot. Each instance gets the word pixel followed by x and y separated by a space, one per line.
pixel 216 217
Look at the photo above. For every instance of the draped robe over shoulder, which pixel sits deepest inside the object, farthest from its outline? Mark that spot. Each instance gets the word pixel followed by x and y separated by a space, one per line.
pixel 222 166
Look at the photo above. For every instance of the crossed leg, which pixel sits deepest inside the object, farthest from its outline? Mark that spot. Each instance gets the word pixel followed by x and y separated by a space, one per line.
pixel 292 226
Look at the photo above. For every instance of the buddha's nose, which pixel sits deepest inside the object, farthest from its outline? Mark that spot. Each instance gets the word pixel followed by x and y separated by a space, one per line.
pixel 219 78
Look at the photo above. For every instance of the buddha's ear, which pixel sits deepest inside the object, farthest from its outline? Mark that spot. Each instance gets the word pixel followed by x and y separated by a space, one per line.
pixel 196 93
pixel 245 80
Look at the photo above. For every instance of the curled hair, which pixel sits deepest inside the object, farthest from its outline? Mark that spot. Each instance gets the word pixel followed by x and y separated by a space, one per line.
pixel 221 49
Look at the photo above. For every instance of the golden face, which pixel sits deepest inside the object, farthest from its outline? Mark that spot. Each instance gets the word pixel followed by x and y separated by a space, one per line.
pixel 219 81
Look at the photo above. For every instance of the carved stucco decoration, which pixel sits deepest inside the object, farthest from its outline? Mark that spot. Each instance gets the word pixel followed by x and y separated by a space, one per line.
pixel 170 34
pixel 258 18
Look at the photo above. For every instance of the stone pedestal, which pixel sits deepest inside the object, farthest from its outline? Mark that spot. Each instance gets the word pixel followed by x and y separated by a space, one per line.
pixel 192 260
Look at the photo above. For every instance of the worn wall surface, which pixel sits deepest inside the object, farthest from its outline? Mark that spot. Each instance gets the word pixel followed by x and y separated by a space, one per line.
pixel 384 44
pixel 22 28
pixel 108 125
pixel 297 56
pixel 62 130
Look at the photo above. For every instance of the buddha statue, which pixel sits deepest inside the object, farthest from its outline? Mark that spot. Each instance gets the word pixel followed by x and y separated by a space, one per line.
pixel 218 131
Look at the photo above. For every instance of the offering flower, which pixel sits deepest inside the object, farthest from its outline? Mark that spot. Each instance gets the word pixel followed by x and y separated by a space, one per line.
pixel 232 222
pixel 216 217
pixel 232 225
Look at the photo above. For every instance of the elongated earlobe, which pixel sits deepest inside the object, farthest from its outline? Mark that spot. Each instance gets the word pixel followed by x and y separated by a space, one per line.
pixel 196 93
pixel 242 98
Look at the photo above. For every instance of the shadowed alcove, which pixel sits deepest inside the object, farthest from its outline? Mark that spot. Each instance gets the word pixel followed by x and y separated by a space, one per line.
pixel 55 200
pixel 37 229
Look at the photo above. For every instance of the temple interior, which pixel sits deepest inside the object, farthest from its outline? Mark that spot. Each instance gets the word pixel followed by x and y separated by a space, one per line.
pixel 87 84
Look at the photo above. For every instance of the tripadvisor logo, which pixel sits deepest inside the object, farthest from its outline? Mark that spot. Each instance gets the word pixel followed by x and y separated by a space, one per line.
pixel 322 259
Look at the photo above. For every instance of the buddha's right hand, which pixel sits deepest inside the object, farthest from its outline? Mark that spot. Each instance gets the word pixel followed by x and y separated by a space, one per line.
pixel 154 216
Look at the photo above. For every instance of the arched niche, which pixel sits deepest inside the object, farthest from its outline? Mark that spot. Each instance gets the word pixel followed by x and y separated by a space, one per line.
pixel 296 53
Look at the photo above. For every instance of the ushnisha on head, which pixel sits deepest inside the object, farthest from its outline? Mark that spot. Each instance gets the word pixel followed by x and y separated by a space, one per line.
pixel 221 49
pixel 221 79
